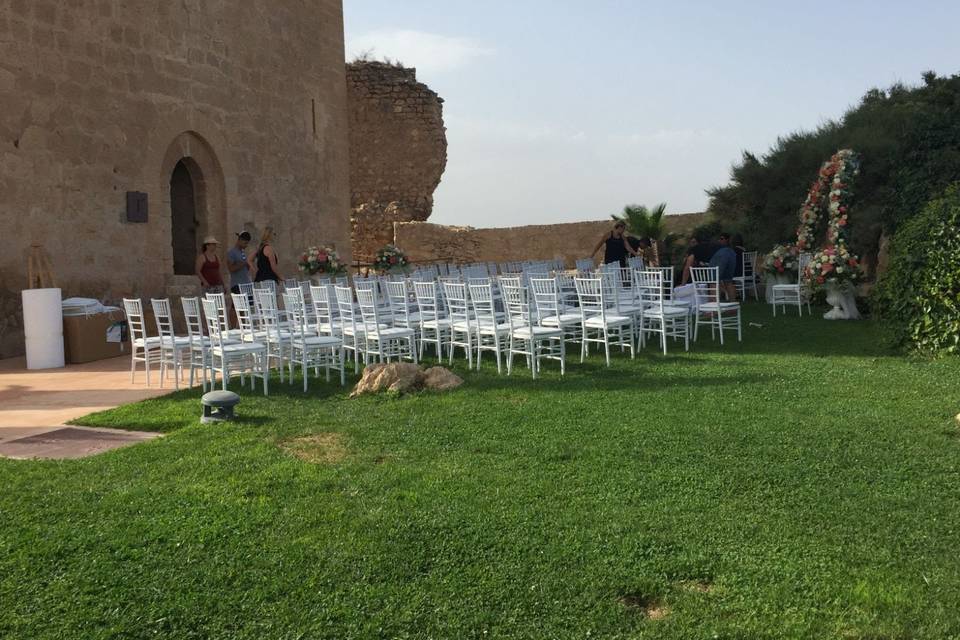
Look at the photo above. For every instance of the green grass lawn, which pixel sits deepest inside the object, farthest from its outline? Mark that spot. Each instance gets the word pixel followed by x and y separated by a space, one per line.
pixel 802 484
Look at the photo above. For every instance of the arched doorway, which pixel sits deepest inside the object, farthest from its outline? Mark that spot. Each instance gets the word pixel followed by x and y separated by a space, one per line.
pixel 194 177
pixel 184 222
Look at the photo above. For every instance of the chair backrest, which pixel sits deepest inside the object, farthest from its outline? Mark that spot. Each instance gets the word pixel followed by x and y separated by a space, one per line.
pixel 428 300
pixel 590 295
pixel 803 262
pixel 666 280
pixel 244 311
pixel 481 297
pixel 584 264
pixel 296 309
pixel 191 312
pixel 269 313
pixel 269 285
pixel 289 283
pixel 367 300
pixel 220 299
pixel 611 287
pixel 457 302
pixel 163 317
pixel 749 264
pixel 635 263
pixel 516 302
pixel 134 310
pixel 348 314
pixel 399 298
pixel 324 303
pixel 706 283
pixel 546 296
pixel 649 288
pixel 511 281
pixel 212 315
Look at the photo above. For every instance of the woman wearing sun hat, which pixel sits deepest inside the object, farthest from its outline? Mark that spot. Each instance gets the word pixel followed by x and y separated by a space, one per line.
pixel 208 266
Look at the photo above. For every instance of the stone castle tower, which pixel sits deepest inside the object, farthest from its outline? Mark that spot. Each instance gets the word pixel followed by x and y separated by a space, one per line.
pixel 226 114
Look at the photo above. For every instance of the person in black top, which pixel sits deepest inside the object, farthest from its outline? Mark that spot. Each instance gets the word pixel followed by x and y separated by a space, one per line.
pixel 699 252
pixel 616 247
pixel 266 259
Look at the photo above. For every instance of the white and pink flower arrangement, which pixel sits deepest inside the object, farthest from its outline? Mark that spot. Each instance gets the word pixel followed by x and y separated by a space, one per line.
pixel 782 260
pixel 320 260
pixel 834 265
pixel 389 258
pixel 833 184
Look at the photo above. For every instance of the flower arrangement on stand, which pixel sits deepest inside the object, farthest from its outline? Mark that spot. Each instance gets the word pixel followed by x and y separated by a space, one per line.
pixel 782 261
pixel 390 258
pixel 318 261
pixel 833 266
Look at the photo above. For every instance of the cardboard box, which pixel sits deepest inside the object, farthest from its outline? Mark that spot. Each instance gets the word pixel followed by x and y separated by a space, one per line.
pixel 95 337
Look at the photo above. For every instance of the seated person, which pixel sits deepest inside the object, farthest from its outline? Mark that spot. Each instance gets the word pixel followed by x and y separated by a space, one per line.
pixel 725 259
pixel 699 252
pixel 644 249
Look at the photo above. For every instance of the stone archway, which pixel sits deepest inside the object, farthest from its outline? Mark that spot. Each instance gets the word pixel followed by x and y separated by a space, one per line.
pixel 196 199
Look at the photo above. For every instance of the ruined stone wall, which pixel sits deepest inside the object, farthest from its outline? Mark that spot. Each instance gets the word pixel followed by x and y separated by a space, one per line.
pixel 398 151
pixel 101 98
pixel 425 242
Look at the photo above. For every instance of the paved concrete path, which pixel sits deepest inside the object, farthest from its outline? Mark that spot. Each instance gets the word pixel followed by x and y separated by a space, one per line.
pixel 34 405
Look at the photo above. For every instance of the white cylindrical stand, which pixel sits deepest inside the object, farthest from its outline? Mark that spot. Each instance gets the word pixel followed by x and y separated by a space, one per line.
pixel 43 328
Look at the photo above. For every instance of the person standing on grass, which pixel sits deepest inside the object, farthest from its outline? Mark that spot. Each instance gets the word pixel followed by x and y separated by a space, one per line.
pixel 238 263
pixel 616 247
pixel 208 267
pixel 725 260
pixel 266 259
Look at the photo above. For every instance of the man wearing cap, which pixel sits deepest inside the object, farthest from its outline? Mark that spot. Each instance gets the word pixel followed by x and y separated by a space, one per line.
pixel 208 266
pixel 237 262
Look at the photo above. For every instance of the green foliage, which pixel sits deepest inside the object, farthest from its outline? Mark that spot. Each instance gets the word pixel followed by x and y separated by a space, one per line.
pixel 643 222
pixel 708 230
pixel 918 298
pixel 908 138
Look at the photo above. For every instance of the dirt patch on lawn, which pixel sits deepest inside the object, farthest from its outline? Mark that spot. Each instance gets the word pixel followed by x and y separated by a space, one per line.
pixel 649 607
pixel 696 586
pixel 320 448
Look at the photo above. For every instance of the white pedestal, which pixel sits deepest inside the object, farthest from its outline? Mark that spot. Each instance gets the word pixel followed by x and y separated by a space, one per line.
pixel 43 328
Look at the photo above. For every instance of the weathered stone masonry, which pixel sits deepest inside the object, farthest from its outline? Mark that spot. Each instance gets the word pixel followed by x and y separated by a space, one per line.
pixel 102 97
pixel 398 151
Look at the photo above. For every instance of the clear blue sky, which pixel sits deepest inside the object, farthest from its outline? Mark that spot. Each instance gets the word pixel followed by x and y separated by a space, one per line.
pixel 566 110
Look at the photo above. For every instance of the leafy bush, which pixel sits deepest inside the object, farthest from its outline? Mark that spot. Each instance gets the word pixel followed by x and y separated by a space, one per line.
pixel 908 138
pixel 918 298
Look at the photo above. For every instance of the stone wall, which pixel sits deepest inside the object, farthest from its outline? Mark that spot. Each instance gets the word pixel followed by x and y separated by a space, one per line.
pixel 398 151
pixel 101 98
pixel 425 242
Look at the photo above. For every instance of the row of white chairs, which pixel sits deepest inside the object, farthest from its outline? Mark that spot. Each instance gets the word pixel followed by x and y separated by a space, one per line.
pixel 530 315
pixel 496 314
pixel 263 338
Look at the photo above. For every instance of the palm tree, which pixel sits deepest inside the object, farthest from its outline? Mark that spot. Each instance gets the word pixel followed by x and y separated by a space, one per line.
pixel 643 222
